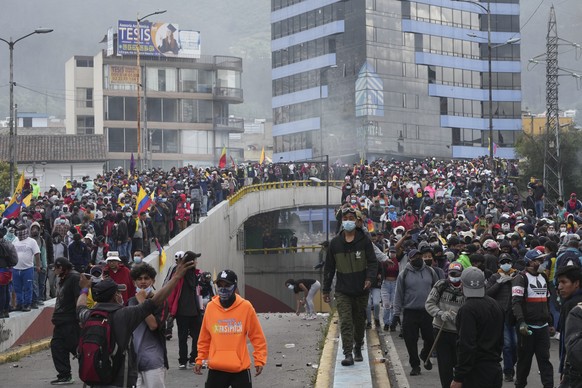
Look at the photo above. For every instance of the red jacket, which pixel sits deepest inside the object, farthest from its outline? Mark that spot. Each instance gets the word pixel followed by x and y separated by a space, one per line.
pixel 122 277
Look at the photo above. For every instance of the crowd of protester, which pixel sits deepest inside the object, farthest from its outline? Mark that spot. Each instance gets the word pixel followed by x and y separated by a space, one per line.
pixel 420 225
pixel 434 223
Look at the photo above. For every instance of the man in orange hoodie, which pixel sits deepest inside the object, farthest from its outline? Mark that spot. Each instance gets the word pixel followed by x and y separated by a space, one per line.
pixel 228 321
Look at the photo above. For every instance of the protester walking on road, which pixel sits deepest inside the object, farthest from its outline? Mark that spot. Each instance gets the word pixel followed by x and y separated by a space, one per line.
pixel 413 286
pixel 228 321
pixel 66 325
pixel 443 303
pixel 351 258
pixel 480 327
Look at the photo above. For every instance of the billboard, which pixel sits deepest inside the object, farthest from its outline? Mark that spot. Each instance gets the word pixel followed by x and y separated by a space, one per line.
pixel 157 39
pixel 123 74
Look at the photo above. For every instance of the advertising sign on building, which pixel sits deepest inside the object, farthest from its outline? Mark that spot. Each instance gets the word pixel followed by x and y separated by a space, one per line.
pixel 110 41
pixel 123 74
pixel 157 39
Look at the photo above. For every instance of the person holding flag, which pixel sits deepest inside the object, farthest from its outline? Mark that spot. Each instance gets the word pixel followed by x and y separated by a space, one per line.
pixel 13 208
pixel 222 160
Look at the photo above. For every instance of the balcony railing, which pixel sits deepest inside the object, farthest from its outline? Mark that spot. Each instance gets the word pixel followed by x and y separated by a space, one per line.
pixel 231 93
pixel 229 123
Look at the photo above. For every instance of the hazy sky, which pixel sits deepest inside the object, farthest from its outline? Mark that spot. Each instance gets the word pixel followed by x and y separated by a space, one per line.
pixel 80 25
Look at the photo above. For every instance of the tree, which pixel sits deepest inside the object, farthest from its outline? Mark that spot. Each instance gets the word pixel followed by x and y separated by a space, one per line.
pixel 531 150
pixel 5 179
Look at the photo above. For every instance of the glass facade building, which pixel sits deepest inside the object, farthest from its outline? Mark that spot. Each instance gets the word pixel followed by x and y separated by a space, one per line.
pixel 362 79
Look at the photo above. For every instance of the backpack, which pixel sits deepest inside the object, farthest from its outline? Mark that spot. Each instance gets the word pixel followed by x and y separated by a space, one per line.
pixel 98 352
pixel 568 257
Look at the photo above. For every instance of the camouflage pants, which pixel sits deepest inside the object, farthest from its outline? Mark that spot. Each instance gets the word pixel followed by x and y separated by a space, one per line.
pixel 352 316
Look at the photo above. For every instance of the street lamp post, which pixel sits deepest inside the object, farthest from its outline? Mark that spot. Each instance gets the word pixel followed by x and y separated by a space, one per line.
pixel 11 43
pixel 322 71
pixel 139 84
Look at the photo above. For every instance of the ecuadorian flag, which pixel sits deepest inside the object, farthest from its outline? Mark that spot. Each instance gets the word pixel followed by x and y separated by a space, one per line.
pixel 162 255
pixel 143 201
pixel 13 208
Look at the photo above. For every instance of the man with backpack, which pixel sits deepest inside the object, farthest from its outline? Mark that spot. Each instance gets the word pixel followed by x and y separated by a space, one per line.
pixel 413 286
pixel 573 333
pixel 66 326
pixel 109 326
pixel 529 293
pixel 571 255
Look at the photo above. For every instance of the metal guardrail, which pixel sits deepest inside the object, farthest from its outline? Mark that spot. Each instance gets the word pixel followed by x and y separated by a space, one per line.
pixel 277 185
pixel 266 251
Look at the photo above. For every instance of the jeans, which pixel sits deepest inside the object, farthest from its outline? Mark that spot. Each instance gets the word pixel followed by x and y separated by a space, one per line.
pixel 204 206
pixel 388 291
pixel 188 326
pixel 373 300
pixel 539 208
pixel 537 343
pixel 39 286
pixel 124 250
pixel 5 298
pixel 309 307
pixel 22 279
pixel 509 349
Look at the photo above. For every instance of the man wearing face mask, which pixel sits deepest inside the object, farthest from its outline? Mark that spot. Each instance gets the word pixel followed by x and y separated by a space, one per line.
pixel 530 307
pixel 23 272
pixel 498 287
pixel 413 286
pixel 149 342
pixel 124 320
pixel 228 321
pixel 351 258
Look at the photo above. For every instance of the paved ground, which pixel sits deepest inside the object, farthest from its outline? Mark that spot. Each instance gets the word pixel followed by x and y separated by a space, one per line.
pixel 430 379
pixel 293 343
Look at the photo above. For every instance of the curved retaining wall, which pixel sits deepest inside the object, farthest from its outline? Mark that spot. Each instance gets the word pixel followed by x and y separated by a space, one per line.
pixel 216 237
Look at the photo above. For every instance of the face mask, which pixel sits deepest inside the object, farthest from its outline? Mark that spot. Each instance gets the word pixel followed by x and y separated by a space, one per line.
pixel 454 280
pixel 224 293
pixel 137 259
pixel 349 225
pixel 562 230
pixel 417 263
pixel 148 290
pixel 398 236
pixel 505 267
pixel 353 201
pixel 128 214
pixel 291 287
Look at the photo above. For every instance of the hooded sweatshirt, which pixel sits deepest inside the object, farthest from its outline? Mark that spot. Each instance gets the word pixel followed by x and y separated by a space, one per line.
pixel 412 288
pixel 223 336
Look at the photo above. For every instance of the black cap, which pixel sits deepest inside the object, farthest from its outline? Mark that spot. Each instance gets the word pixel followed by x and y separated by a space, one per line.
pixel 105 289
pixel 63 262
pixel 227 276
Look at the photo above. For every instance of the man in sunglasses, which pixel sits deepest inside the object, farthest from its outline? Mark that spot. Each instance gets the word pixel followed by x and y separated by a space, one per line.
pixel 351 258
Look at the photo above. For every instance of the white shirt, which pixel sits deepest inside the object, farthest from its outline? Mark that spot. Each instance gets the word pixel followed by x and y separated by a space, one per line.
pixel 26 250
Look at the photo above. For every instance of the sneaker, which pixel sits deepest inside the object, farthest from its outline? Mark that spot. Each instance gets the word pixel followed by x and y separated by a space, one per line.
pixel 63 381
pixel 40 302
pixel 311 317
pixel 377 322
pixel 393 327
pixel 34 306
pixel 182 366
pixel 369 325
pixel 25 308
pixel 415 371
pixel 358 355
pixel 349 360
pixel 386 327
pixel 508 377
pixel 191 364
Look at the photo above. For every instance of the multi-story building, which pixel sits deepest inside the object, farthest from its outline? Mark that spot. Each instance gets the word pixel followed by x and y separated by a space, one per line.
pixel 183 106
pixel 363 79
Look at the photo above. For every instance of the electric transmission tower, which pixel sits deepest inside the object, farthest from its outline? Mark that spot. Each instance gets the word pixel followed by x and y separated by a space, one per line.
pixel 552 162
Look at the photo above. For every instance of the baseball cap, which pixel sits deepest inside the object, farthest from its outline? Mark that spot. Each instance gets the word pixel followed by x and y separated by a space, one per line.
pixel 473 280
pixel 227 276
pixel 455 266
pixel 534 254
pixel 105 289
pixel 63 262
pixel 412 253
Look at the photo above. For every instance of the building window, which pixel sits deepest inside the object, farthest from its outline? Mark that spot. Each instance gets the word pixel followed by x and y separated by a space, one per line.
pixel 165 141
pixel 84 98
pixel 122 139
pixel 27 122
pixel 84 62
pixel 189 80
pixel 85 125
pixel 162 79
